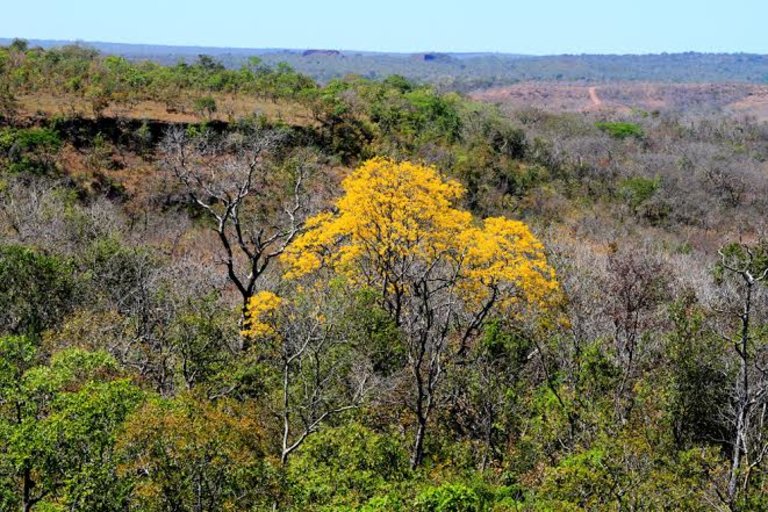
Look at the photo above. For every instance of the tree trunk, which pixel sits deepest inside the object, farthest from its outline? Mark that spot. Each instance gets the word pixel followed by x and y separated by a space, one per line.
pixel 742 393
pixel 423 406
pixel 286 415
pixel 27 490
pixel 736 458
pixel 417 455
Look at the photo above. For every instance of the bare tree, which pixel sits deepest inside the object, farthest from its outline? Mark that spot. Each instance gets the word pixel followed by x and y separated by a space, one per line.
pixel 321 371
pixel 750 394
pixel 437 326
pixel 256 209
pixel 636 287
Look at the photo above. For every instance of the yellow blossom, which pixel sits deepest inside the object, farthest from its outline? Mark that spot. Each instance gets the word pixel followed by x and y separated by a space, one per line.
pixel 396 216
pixel 260 314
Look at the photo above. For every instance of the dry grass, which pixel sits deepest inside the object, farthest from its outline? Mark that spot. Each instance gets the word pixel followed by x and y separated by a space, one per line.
pixel 133 174
pixel 755 104
pixel 136 178
pixel 738 99
pixel 547 96
pixel 229 108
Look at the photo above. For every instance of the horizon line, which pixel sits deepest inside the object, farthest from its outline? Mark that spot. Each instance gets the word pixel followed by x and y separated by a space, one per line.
pixel 56 42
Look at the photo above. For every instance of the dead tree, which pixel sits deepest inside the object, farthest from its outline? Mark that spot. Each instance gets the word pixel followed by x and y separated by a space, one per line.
pixel 750 391
pixel 257 209
pixel 636 286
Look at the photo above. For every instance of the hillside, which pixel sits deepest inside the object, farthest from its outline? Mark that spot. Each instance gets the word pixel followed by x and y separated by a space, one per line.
pixel 238 288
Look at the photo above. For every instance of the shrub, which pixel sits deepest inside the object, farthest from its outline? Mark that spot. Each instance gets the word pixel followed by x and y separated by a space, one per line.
pixel 37 290
pixel 205 106
pixel 637 190
pixel 449 498
pixel 29 150
pixel 346 466
pixel 621 130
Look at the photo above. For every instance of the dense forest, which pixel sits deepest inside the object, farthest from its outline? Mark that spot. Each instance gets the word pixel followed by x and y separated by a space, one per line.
pixel 238 289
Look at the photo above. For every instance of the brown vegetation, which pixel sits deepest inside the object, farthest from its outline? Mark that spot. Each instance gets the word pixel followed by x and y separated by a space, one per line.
pixel 622 97
pixel 230 107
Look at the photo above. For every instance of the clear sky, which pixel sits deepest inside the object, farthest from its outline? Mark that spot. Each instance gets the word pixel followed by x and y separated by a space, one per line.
pixel 514 26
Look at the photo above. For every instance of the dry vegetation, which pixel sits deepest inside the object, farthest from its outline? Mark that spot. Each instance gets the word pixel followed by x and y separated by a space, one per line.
pixel 230 108
pixel 742 100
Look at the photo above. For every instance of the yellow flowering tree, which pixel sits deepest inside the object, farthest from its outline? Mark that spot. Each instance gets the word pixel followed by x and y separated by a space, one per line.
pixel 439 273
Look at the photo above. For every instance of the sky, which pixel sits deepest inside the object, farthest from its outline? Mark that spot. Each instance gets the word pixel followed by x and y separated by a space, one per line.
pixel 538 27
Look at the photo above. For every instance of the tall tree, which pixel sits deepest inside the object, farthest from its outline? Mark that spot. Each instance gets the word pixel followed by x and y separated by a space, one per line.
pixel 58 421
pixel 256 209
pixel 439 275
pixel 749 439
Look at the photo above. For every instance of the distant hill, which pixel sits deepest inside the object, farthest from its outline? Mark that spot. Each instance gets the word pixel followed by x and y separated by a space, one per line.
pixel 465 71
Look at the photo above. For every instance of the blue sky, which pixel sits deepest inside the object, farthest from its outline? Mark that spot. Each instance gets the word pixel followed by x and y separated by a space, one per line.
pixel 530 26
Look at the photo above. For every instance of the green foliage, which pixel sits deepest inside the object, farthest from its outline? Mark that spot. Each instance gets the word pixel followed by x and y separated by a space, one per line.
pixel 435 114
pixel 190 453
pixel 19 45
pixel 346 465
pixel 751 258
pixel 699 377
pixel 414 115
pixel 567 412
pixel 201 336
pixel 387 503
pixel 36 290
pixel 621 130
pixel 376 333
pixel 8 104
pixel 641 195
pixel 144 139
pixel 114 269
pixel 450 498
pixel 58 422
pixel 595 478
pixel 637 190
pixel 582 480
pixel 596 369
pixel 99 154
pixel 104 81
pixel 31 150
pixel 205 106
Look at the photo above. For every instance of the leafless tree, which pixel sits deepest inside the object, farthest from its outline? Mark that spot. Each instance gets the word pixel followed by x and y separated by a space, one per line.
pixel 422 299
pixel 256 209
pixel 637 286
pixel 749 409
pixel 321 372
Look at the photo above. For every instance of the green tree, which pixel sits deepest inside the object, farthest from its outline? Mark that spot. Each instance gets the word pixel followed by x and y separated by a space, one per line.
pixel 36 290
pixel 450 498
pixel 31 150
pixel 346 465
pixel 191 454
pixel 621 130
pixel 58 422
